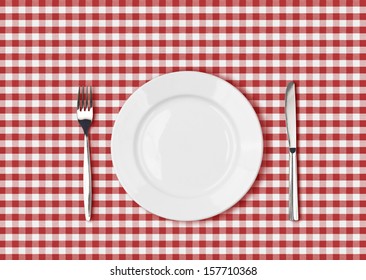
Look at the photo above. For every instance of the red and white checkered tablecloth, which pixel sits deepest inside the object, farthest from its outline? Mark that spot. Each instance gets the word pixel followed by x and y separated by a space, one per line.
pixel 47 50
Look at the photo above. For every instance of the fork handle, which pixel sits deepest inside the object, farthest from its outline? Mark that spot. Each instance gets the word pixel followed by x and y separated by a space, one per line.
pixel 87 185
pixel 293 192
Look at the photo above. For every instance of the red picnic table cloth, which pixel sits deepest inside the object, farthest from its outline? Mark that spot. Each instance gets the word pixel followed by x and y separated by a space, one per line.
pixel 49 48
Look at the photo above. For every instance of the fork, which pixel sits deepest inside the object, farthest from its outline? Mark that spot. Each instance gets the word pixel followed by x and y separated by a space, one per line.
pixel 84 114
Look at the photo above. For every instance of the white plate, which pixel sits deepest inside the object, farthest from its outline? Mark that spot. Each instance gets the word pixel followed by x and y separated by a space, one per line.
pixel 187 146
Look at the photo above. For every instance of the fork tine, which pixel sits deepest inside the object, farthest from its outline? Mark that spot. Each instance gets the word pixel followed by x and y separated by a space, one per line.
pixel 86 98
pixel 91 98
pixel 78 104
pixel 82 98
pixel 83 105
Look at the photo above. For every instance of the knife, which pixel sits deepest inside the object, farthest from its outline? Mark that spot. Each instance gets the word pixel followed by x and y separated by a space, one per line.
pixel 290 112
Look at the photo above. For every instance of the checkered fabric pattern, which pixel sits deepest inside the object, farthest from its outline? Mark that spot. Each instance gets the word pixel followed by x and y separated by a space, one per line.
pixel 48 49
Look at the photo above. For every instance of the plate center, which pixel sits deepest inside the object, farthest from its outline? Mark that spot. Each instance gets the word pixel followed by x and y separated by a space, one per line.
pixel 185 146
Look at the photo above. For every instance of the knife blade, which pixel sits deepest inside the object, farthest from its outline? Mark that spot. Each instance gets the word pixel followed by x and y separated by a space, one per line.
pixel 290 113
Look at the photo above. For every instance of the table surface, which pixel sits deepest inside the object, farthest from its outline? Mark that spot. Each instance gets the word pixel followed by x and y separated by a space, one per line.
pixel 46 52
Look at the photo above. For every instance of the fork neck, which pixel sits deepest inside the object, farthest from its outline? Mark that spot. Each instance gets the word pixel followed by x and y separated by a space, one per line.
pixel 85 124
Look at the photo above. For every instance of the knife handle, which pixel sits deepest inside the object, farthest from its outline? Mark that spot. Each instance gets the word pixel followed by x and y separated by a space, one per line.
pixel 293 193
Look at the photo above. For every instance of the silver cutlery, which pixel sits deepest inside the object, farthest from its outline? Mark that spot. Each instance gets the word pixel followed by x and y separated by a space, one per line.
pixel 84 114
pixel 290 112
